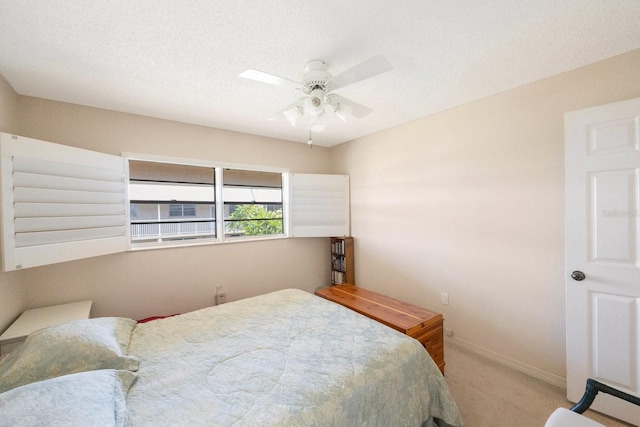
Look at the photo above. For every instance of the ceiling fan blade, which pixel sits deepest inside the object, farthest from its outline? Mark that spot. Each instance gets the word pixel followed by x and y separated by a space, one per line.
pixel 349 107
pixel 263 77
pixel 369 68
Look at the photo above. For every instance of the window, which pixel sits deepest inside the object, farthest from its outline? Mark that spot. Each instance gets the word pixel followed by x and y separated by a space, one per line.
pixel 172 202
pixel 252 203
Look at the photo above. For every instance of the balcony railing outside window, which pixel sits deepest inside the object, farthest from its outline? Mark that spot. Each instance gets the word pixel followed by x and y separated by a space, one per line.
pixel 145 230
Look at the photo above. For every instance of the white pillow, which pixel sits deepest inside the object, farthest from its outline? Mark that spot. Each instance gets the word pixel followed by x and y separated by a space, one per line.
pixel 81 345
pixel 93 398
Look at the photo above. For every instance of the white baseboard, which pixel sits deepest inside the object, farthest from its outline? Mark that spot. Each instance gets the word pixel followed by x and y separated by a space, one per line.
pixel 532 371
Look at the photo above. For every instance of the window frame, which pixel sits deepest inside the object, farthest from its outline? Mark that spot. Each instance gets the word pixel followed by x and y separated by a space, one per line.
pixel 219 201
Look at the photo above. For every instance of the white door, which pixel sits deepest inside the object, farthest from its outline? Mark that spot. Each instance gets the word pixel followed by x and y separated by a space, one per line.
pixel 602 167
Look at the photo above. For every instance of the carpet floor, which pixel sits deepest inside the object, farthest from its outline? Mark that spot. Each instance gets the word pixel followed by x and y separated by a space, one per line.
pixel 490 394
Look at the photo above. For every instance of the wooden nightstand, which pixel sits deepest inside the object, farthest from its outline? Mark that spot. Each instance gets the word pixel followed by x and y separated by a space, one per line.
pixel 424 325
pixel 39 318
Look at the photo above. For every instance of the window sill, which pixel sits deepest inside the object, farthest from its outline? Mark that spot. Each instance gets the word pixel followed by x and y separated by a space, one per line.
pixel 180 244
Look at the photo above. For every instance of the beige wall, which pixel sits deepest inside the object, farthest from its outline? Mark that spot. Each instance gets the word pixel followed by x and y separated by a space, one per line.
pixel 470 202
pixel 8 107
pixel 11 291
pixel 144 283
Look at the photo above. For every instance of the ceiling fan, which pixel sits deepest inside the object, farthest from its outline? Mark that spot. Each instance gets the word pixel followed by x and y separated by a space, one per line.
pixel 318 85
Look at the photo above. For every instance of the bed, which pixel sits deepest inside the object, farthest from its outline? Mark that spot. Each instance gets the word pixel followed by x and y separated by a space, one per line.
pixel 287 358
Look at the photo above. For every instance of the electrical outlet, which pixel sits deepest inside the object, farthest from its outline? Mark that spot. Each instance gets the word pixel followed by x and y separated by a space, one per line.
pixel 444 298
pixel 221 298
pixel 448 332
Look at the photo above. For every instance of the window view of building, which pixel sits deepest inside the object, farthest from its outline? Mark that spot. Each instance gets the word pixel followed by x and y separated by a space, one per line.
pixel 182 210
pixel 173 202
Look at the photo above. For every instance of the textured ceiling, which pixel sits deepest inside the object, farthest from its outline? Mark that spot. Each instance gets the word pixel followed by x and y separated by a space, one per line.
pixel 180 60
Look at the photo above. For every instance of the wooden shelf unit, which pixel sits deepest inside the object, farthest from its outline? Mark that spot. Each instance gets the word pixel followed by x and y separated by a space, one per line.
pixel 342 267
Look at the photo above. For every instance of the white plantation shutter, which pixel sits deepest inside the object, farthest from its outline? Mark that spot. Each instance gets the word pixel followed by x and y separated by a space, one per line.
pixel 319 205
pixel 59 203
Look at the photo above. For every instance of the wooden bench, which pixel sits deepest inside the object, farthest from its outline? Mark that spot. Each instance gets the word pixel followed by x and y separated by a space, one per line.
pixel 424 325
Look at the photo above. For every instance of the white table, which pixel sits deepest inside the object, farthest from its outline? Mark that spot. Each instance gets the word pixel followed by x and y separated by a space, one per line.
pixel 39 318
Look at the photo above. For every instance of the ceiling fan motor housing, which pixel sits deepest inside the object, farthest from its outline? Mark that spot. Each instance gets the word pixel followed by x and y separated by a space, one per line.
pixel 315 76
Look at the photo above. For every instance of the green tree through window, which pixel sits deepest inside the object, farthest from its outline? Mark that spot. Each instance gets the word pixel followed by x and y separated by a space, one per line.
pixel 254 220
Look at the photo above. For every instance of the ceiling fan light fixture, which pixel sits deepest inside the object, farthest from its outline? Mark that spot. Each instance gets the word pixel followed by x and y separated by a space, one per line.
pixel 318 126
pixel 293 115
pixel 314 104
pixel 341 109
pixel 319 123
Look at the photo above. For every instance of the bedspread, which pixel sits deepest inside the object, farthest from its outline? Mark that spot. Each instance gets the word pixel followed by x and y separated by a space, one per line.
pixel 287 358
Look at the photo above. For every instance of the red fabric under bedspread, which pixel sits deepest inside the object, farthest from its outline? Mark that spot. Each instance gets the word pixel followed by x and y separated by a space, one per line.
pixel 149 319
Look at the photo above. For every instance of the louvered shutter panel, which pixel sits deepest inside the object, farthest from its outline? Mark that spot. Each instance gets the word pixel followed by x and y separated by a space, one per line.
pixel 59 203
pixel 319 205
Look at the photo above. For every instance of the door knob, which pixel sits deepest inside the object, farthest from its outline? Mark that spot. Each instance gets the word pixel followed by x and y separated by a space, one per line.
pixel 578 275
